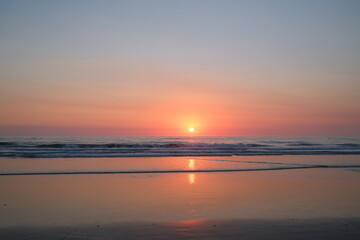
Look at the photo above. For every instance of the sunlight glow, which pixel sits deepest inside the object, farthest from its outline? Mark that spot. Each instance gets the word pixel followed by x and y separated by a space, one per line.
pixel 191 129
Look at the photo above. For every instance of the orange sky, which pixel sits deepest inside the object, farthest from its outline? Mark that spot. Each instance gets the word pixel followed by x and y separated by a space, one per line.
pixel 172 102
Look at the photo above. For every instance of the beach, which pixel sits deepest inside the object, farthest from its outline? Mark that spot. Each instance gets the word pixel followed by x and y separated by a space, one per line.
pixel 179 120
pixel 259 202
pixel 202 229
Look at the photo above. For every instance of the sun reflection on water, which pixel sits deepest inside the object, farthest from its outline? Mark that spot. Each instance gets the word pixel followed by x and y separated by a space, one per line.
pixel 191 164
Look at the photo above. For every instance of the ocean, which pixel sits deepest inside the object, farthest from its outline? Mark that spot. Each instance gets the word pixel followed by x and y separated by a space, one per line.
pixel 89 147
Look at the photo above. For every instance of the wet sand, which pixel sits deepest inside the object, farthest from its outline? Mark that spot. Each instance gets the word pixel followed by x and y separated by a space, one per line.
pixel 273 204
pixel 327 229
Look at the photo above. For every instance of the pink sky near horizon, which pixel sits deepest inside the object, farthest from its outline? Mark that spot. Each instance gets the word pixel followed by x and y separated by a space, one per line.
pixel 163 107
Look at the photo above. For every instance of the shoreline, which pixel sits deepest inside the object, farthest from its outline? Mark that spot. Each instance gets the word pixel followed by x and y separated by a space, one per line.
pixel 181 171
pixel 244 154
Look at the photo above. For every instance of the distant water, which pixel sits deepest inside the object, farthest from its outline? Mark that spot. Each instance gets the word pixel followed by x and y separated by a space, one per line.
pixel 76 147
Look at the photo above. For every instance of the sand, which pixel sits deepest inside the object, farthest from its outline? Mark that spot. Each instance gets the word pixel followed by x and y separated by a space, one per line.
pixel 278 204
pixel 198 229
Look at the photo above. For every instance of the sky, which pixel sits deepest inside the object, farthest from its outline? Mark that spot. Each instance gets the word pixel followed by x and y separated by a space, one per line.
pixel 159 67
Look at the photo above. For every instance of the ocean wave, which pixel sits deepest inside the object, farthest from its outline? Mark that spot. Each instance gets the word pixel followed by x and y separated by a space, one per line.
pixel 175 146
pixel 7 143
pixel 304 144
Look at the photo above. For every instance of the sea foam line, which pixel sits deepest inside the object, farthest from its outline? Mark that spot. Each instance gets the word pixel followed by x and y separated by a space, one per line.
pixel 178 171
pixel 274 163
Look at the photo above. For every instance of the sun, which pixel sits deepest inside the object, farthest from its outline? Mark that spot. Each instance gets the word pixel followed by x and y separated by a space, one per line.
pixel 191 129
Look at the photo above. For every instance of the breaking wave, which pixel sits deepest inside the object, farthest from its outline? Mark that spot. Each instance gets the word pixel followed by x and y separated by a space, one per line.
pixel 175 146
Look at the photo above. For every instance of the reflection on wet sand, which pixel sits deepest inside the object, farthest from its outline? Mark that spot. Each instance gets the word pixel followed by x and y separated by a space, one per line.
pixel 85 199
pixel 191 177
pixel 191 166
